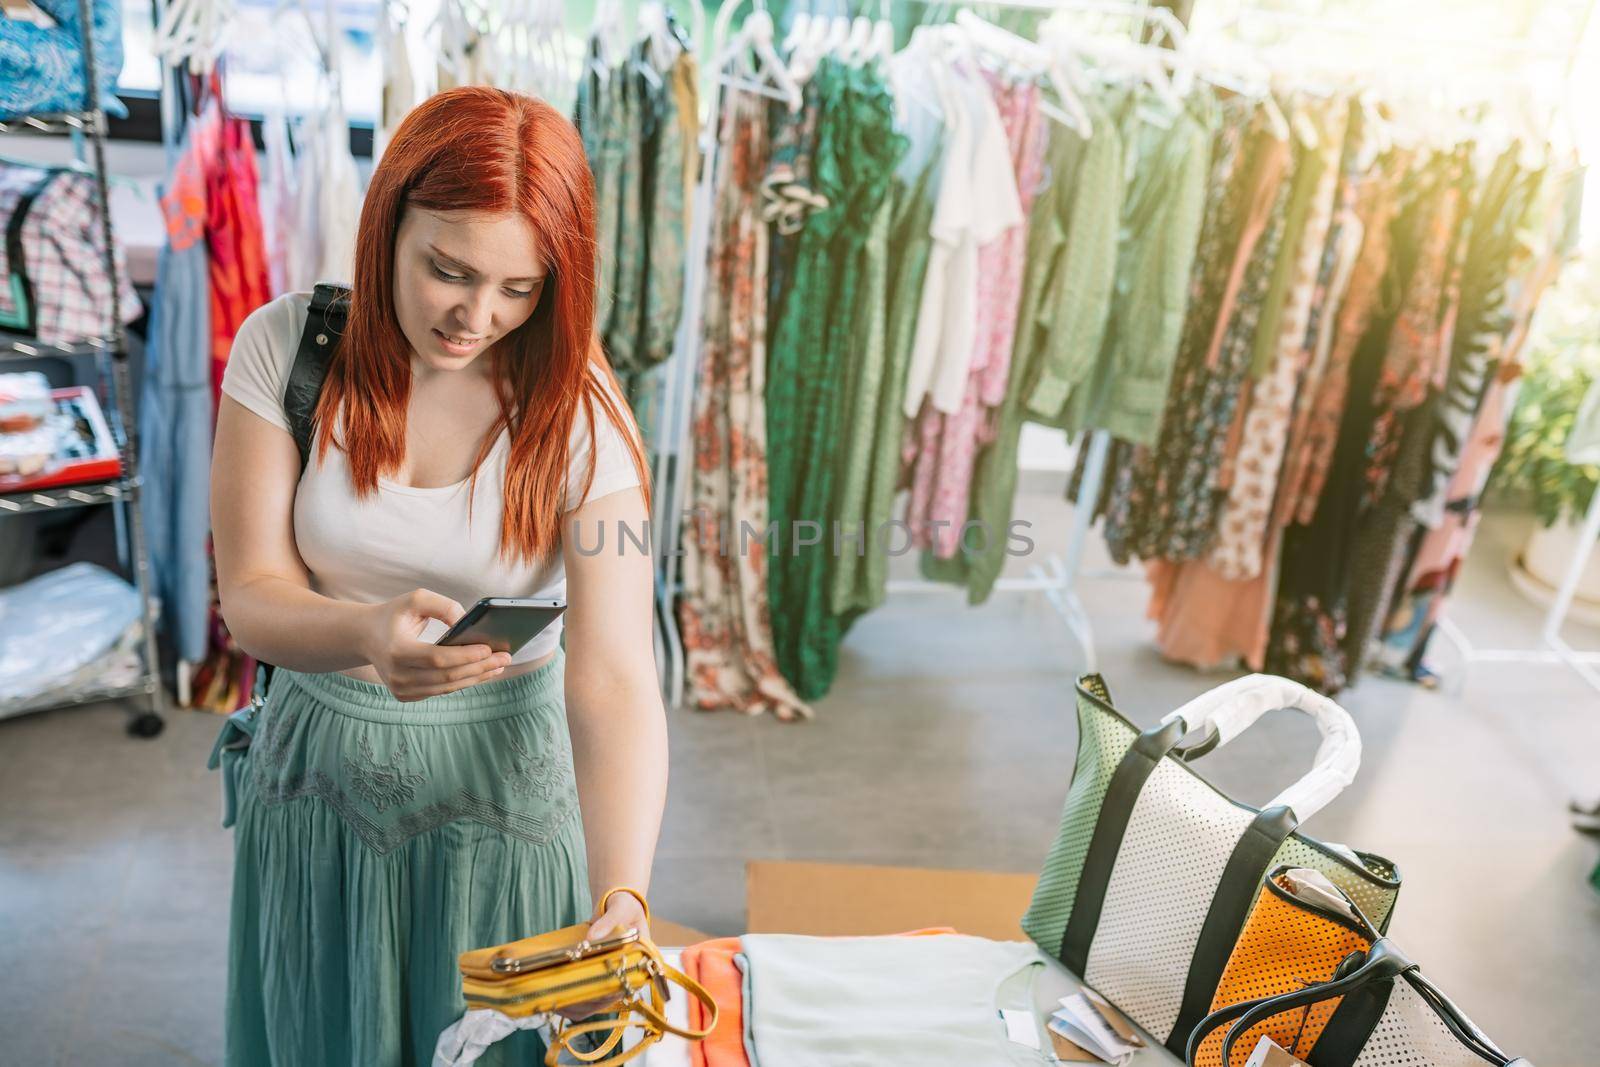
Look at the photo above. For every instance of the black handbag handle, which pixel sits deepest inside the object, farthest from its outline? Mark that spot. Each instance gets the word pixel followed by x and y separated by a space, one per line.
pixel 1456 1021
pixel 1383 963
pixel 1223 1016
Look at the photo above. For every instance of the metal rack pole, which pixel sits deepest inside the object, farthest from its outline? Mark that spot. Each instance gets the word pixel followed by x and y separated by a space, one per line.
pixel 150 722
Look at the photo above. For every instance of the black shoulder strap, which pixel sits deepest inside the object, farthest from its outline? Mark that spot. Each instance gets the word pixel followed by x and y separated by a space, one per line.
pixel 318 341
pixel 324 326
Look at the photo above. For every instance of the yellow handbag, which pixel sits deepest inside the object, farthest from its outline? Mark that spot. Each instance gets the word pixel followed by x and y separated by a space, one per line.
pixel 623 971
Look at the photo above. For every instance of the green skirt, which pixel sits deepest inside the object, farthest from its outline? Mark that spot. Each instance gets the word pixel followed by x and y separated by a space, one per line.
pixel 376 840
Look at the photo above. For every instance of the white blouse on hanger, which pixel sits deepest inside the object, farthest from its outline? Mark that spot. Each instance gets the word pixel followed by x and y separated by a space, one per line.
pixel 977 202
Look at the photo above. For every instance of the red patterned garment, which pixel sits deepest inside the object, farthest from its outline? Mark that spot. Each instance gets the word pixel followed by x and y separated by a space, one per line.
pixel 234 238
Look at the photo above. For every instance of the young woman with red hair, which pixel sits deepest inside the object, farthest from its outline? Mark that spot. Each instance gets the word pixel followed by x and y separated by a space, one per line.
pixel 402 802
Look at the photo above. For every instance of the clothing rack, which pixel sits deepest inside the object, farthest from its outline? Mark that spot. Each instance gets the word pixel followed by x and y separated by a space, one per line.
pixel 110 354
pixel 1056 578
pixel 674 465
pixel 1555 649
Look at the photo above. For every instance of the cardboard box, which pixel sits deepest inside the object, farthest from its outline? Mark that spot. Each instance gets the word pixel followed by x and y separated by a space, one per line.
pixel 837 899
pixel 667 932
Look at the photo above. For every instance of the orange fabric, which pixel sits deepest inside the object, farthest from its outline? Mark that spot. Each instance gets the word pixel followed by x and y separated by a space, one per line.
pixel 1206 620
pixel 1282 948
pixel 711 964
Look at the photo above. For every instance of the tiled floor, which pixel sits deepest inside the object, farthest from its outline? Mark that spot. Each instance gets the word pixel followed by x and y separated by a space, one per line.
pixel 947 741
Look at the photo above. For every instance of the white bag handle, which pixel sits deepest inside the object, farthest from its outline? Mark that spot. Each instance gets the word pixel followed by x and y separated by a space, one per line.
pixel 1230 709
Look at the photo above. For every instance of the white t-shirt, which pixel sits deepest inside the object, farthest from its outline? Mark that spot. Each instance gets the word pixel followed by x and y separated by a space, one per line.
pixel 977 202
pixel 372 549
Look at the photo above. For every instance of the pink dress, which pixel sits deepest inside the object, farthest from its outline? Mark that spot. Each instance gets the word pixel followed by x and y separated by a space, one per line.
pixel 947 445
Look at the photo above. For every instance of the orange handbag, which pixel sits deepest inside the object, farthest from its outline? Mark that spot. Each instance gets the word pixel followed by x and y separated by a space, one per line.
pixel 1312 973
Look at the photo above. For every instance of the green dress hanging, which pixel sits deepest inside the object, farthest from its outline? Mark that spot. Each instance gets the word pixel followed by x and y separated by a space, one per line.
pixel 873 468
pixel 810 364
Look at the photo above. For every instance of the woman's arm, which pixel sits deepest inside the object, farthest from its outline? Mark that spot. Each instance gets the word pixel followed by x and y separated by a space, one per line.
pixel 263 585
pixel 265 589
pixel 614 708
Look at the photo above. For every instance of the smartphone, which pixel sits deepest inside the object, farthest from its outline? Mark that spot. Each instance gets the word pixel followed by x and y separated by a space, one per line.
pixel 505 624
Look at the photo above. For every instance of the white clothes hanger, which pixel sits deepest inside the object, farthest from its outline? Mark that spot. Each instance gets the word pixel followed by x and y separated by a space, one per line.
pixel 606 33
pixel 1142 60
pixel 1031 59
pixel 856 45
pixel 881 43
pixel 195 33
pixel 798 28
pixel 838 34
pixel 1158 17
pixel 767 75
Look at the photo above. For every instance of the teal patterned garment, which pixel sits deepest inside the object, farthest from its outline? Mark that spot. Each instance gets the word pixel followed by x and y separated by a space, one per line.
pixel 872 467
pixel 809 363
pixel 670 154
pixel 638 127
pixel 1168 156
pixel 621 332
pixel 598 116
pixel 374 842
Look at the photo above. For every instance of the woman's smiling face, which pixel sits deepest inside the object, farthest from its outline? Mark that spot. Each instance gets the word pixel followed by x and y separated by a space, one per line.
pixel 463 281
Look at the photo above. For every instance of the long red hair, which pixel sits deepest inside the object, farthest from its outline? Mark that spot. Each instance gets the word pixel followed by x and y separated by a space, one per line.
pixel 489 151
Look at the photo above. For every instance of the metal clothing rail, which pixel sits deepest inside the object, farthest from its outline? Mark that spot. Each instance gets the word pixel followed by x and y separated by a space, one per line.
pixel 1555 650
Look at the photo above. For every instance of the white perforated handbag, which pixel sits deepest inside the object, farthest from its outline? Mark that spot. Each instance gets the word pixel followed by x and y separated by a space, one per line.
pixel 1153 870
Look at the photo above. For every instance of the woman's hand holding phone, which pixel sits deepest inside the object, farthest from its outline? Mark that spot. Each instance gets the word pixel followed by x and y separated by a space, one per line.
pixel 414 669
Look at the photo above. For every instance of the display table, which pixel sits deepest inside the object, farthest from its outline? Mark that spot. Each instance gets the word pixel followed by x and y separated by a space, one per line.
pixel 850 900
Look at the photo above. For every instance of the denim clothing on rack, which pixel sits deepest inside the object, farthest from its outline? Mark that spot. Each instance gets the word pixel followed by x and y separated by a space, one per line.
pixel 175 447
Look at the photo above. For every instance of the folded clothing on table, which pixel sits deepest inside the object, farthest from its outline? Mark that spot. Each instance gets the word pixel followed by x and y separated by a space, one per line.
pixel 923 1000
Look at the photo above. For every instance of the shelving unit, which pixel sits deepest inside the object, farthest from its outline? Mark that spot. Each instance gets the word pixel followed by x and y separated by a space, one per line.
pixel 61 122
pixel 110 355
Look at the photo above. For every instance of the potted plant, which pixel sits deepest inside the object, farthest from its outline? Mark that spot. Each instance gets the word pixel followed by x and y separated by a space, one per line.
pixel 1533 470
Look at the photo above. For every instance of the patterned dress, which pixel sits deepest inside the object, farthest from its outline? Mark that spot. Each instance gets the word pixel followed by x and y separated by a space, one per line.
pixel 723 612
pixel 1162 497
pixel 948 444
